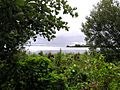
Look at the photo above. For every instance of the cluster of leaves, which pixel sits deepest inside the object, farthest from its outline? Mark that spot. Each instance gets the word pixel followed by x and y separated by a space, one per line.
pixel 30 72
pixel 60 72
pixel 102 28
pixel 21 20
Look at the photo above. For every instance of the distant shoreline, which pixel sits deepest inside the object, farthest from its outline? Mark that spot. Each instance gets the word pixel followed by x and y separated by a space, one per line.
pixel 77 45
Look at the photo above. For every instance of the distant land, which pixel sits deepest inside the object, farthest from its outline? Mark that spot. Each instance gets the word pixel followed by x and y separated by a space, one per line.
pixel 97 46
pixel 77 45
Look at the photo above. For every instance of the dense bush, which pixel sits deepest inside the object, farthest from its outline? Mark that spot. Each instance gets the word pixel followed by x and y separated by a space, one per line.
pixel 32 72
pixel 60 72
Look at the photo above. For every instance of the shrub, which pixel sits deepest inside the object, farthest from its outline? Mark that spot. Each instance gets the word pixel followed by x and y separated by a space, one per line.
pixel 63 72
pixel 34 73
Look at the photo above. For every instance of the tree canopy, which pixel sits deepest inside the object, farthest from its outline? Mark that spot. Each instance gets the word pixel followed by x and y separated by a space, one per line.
pixel 22 19
pixel 102 27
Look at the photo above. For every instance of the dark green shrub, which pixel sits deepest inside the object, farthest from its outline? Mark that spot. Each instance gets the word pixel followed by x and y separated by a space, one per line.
pixel 63 72
pixel 33 73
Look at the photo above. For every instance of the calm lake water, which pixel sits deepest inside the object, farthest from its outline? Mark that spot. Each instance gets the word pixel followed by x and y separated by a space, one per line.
pixel 52 49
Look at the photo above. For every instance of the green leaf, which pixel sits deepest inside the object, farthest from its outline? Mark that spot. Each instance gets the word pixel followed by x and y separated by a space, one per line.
pixel 76 14
pixel 20 2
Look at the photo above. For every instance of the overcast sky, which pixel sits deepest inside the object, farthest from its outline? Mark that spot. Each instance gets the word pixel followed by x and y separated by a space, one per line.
pixel 74 34
pixel 83 9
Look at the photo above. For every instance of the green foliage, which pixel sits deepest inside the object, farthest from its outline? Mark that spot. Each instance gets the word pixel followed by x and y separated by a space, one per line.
pixel 32 72
pixel 20 2
pixel 89 71
pixel 61 72
pixel 21 20
pixel 102 29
